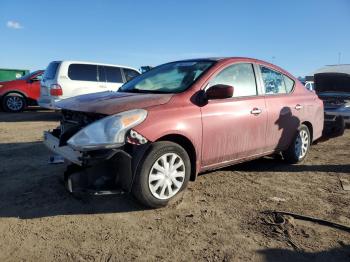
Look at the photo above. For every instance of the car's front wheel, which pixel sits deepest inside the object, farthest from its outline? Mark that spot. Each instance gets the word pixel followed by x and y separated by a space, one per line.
pixel 13 103
pixel 299 147
pixel 163 174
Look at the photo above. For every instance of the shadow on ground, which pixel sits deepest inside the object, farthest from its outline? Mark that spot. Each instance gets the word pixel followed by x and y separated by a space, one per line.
pixel 30 114
pixel 336 254
pixel 32 188
pixel 278 165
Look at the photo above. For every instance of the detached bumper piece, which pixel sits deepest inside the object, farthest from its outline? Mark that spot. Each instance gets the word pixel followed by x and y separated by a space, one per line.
pixel 100 172
pixel 52 142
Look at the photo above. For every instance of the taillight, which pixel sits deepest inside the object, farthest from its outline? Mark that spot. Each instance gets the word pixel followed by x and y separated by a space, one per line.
pixel 56 90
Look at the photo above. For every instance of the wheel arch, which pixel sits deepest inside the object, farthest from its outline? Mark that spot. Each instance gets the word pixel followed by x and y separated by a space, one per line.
pixel 309 126
pixel 187 144
pixel 15 92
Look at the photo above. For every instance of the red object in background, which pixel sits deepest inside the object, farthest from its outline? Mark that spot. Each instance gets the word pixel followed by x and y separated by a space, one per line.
pixel 25 90
pixel 56 90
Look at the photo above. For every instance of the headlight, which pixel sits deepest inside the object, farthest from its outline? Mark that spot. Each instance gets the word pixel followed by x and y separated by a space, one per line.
pixel 108 132
pixel 1 86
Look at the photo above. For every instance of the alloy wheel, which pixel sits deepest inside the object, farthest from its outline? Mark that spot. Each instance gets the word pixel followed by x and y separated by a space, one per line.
pixel 14 103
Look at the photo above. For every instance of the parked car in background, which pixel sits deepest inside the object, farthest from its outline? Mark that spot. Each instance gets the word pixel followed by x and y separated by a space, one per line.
pixel 144 69
pixel 332 85
pixel 310 85
pixel 64 79
pixel 17 94
pixel 167 125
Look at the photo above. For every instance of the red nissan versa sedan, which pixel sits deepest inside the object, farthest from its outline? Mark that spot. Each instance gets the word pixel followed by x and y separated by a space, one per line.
pixel 17 94
pixel 167 125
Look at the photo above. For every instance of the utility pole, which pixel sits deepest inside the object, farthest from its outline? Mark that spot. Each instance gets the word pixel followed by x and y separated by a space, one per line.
pixel 339 56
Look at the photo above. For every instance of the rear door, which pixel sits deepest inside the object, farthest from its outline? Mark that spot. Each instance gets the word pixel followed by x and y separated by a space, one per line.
pixel 83 79
pixel 34 85
pixel 234 128
pixel 114 78
pixel 284 108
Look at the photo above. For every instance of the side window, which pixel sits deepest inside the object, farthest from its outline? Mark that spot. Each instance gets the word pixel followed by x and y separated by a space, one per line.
pixel 83 72
pixel 240 76
pixel 113 74
pixel 273 81
pixel 289 83
pixel 130 74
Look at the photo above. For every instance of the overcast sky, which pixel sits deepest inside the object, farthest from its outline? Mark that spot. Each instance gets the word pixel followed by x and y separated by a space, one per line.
pixel 299 36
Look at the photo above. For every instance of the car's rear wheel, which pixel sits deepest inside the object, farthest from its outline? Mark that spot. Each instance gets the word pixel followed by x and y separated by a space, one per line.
pixel 162 175
pixel 299 147
pixel 14 103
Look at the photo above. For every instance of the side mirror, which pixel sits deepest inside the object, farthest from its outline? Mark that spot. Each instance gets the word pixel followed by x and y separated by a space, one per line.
pixel 219 92
pixel 33 79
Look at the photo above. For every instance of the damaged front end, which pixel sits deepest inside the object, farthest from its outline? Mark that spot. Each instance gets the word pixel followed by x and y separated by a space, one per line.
pixel 337 115
pixel 102 152
pixel 334 90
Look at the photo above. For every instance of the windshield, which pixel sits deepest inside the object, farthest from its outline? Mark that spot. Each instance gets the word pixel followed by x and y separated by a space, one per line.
pixel 168 78
pixel 27 76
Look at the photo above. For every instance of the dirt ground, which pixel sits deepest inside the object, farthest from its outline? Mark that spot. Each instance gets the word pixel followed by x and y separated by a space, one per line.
pixel 219 218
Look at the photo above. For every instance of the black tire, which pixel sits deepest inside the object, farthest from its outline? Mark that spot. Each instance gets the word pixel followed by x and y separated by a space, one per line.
pixel 20 101
pixel 291 154
pixel 141 188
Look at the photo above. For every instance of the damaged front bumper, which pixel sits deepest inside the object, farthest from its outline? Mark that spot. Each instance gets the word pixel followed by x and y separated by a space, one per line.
pixel 108 171
pixel 342 111
pixel 334 126
pixel 66 152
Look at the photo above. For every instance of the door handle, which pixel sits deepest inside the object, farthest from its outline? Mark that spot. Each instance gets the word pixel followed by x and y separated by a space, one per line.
pixel 298 107
pixel 256 111
pixel 102 86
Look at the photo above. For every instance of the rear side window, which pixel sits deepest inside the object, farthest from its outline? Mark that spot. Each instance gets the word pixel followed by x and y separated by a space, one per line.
pixel 240 76
pixel 289 83
pixel 51 70
pixel 130 74
pixel 113 74
pixel 83 72
pixel 273 81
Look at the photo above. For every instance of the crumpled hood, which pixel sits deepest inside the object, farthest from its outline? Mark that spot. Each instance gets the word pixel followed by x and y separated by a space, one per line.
pixel 111 102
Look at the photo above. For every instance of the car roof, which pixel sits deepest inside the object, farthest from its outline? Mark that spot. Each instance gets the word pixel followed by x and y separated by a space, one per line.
pixel 93 63
pixel 235 58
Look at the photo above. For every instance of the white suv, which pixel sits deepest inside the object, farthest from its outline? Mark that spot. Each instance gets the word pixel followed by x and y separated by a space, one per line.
pixel 63 79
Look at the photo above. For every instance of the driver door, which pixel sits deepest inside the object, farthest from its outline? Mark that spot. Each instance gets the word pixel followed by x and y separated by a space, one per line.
pixel 234 128
pixel 34 86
